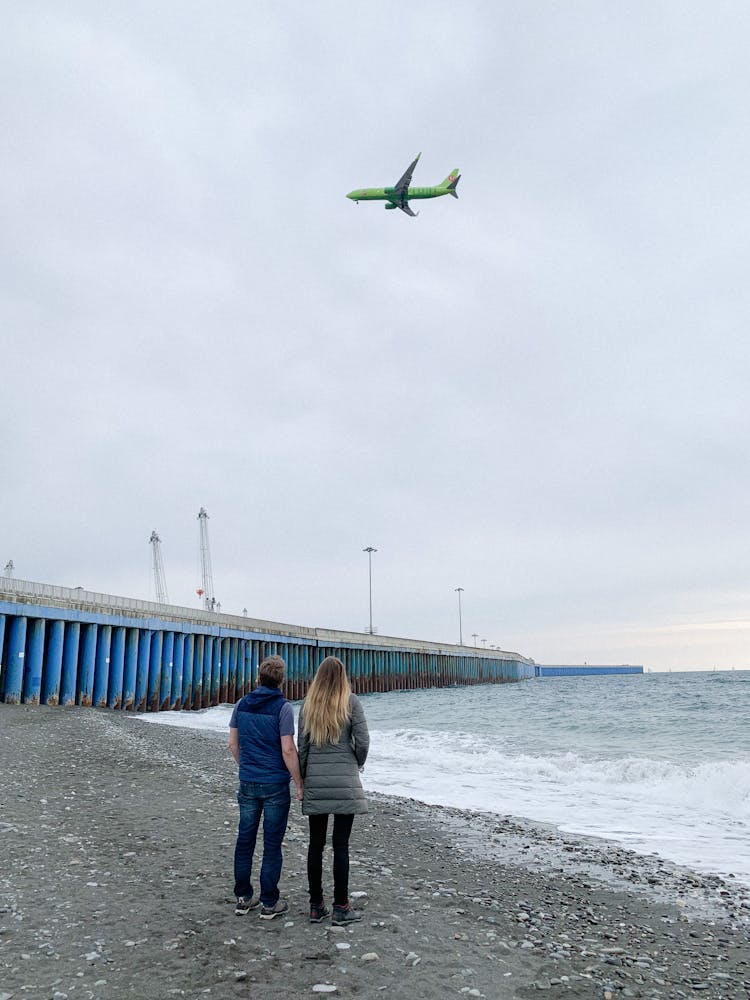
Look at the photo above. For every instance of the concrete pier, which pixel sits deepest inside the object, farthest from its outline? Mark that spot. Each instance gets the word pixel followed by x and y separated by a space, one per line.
pixel 70 646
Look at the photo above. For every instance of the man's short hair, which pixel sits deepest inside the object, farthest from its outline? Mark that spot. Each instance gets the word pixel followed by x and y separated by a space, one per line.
pixel 271 672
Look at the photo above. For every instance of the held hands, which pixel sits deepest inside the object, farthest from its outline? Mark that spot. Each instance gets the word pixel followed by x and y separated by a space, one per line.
pixel 300 791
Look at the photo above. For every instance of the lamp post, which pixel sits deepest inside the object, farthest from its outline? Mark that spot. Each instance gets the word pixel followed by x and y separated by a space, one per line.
pixel 459 591
pixel 369 550
pixel 475 636
pixel 485 643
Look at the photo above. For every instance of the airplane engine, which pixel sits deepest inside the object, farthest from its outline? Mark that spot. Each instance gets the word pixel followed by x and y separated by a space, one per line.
pixel 390 205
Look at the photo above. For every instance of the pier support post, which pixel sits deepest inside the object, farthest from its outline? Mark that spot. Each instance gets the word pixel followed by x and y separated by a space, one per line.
pixel 208 658
pixel 101 671
pixel 154 671
pixel 199 653
pixel 32 684
pixel 167 666
pixel 232 685
pixel 130 669
pixel 53 664
pixel 14 668
pixel 116 668
pixel 88 663
pixel 178 659
pixel 215 671
pixel 141 678
pixel 187 672
pixel 223 672
pixel 69 678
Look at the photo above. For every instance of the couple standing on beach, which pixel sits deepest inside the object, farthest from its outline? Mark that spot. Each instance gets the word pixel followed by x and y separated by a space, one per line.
pixel 333 745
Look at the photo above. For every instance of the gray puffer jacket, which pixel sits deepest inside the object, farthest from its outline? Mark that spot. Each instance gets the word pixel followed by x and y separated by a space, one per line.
pixel 331 771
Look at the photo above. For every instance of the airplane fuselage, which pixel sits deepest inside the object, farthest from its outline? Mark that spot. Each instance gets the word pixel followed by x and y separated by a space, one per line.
pixel 390 194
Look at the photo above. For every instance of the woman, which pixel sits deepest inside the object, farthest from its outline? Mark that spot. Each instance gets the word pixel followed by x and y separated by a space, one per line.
pixel 333 744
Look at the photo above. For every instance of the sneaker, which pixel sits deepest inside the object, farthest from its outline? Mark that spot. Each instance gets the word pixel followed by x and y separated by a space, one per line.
pixel 269 912
pixel 245 904
pixel 343 915
pixel 318 912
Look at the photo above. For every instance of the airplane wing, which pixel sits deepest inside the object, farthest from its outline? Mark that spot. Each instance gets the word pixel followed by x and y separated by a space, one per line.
pixel 405 208
pixel 402 186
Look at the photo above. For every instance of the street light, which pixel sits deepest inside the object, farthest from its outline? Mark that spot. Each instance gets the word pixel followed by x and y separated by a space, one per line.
pixel 475 636
pixel 459 591
pixel 485 643
pixel 369 550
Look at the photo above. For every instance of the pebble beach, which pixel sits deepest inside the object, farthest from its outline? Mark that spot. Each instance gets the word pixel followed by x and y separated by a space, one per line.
pixel 116 881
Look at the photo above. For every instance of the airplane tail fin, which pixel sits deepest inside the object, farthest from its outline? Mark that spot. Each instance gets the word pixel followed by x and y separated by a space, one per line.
pixel 451 181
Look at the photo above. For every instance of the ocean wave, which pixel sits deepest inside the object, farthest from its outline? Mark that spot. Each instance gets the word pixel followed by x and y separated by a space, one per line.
pixel 697 814
pixel 716 781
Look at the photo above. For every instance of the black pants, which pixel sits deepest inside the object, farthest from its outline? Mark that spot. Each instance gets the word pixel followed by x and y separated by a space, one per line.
pixel 342 828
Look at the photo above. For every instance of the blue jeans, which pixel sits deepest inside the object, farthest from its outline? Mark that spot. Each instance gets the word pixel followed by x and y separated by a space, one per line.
pixel 271 801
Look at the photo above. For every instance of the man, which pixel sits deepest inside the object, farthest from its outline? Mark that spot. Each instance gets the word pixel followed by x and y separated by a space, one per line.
pixel 261 739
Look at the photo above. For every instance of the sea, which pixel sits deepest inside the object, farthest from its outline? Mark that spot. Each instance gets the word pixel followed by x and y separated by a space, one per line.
pixel 656 762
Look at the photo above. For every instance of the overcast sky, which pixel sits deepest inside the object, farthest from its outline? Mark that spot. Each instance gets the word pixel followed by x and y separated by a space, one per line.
pixel 538 392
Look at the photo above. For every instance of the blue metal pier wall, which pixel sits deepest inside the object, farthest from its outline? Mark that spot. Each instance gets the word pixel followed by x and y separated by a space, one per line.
pixel 82 649
pixel 582 671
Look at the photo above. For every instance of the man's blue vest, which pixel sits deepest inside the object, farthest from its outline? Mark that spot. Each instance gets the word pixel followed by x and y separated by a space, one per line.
pixel 261 759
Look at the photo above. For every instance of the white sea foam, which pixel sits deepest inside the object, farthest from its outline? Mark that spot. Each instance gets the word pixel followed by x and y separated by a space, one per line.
pixel 213 719
pixel 697 815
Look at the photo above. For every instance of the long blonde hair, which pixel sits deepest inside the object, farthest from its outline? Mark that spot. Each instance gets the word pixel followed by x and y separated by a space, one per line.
pixel 326 708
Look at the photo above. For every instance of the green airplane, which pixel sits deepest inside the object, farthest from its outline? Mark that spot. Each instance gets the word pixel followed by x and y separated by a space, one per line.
pixel 400 194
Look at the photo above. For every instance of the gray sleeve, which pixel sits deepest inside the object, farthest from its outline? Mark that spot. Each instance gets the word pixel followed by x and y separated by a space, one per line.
pixel 360 733
pixel 303 745
pixel 286 720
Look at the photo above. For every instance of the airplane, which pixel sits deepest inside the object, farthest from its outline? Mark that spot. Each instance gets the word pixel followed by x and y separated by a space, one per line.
pixel 400 194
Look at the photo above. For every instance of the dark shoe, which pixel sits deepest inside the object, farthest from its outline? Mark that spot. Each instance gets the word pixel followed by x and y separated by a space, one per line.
pixel 343 915
pixel 245 904
pixel 269 912
pixel 318 912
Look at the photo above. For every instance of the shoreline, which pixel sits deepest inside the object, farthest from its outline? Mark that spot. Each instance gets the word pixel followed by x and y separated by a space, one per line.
pixel 542 847
pixel 117 842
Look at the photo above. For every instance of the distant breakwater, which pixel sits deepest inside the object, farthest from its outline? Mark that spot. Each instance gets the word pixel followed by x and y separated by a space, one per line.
pixel 64 646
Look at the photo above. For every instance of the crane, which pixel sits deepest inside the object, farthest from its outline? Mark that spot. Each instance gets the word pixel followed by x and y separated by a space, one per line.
pixel 206 589
pixel 160 581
